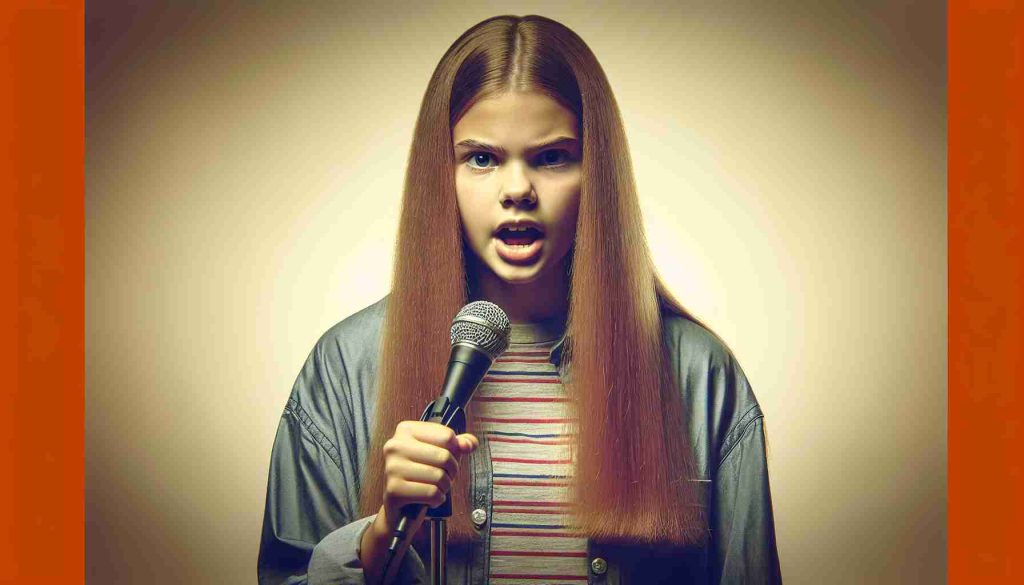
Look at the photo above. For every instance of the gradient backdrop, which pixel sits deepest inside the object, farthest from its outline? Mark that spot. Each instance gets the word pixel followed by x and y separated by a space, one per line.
pixel 243 178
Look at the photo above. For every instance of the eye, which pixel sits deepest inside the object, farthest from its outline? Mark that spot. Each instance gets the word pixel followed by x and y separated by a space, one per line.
pixel 554 158
pixel 479 158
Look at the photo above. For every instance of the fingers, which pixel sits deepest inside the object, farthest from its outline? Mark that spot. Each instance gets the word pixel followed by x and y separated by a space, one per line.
pixel 399 493
pixel 439 435
pixel 429 432
pixel 398 451
pixel 421 462
pixel 412 472
pixel 468 442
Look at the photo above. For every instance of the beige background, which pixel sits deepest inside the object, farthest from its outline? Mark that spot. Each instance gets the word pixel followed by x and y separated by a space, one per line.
pixel 244 169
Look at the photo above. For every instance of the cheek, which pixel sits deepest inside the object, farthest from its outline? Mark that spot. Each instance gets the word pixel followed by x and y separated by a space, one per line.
pixel 461 193
pixel 568 210
pixel 473 215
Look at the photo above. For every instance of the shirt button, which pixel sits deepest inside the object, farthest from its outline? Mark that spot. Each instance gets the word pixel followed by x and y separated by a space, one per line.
pixel 479 517
pixel 599 566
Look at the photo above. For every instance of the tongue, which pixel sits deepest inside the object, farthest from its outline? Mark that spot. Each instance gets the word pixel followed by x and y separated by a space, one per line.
pixel 518 239
pixel 523 238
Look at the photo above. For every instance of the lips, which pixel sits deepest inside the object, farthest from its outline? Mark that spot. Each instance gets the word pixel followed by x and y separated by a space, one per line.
pixel 519 232
pixel 519 237
pixel 519 242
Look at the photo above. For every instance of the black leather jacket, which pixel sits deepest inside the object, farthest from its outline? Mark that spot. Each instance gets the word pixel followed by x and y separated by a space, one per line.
pixel 311 526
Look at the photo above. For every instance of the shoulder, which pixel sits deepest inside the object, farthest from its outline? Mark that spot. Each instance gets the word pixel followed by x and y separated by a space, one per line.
pixel 355 337
pixel 718 396
pixel 343 360
pixel 694 343
pixel 696 349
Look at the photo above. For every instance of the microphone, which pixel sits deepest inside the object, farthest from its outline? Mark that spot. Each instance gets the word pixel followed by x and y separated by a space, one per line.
pixel 479 333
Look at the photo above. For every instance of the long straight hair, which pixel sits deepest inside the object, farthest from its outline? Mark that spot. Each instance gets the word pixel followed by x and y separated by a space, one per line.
pixel 632 481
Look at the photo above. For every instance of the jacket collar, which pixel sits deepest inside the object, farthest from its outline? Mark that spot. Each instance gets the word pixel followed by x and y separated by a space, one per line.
pixel 556 351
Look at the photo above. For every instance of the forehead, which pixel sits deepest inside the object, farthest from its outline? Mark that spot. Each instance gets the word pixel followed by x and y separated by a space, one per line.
pixel 515 118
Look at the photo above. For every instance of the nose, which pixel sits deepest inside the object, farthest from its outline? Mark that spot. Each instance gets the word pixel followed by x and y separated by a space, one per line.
pixel 517 188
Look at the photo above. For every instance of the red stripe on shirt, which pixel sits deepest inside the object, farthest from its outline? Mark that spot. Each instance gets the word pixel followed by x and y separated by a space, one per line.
pixel 530 441
pixel 537 553
pixel 500 532
pixel 530 483
pixel 523 380
pixel 523 399
pixel 540 461
pixel 523 420
pixel 527 353
pixel 527 511
pixel 522 361
pixel 555 577
pixel 526 503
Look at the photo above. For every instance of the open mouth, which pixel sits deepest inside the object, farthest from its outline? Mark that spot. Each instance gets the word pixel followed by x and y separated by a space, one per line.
pixel 519 236
pixel 520 245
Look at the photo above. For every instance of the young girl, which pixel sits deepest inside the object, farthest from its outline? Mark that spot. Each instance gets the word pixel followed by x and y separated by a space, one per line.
pixel 616 441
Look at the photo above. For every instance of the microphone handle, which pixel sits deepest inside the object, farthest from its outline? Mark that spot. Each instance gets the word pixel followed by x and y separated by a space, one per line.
pixel 466 368
pixel 441 411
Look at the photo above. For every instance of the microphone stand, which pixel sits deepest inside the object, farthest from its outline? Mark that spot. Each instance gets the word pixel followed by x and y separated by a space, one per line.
pixel 456 420
pixel 438 550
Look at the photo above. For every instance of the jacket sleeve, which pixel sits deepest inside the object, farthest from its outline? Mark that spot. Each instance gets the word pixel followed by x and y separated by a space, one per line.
pixel 311 532
pixel 743 525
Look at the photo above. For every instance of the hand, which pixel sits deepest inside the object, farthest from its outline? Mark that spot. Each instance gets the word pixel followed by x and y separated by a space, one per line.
pixel 421 462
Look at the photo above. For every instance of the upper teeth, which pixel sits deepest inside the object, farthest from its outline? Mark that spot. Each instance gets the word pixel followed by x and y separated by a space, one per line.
pixel 516 229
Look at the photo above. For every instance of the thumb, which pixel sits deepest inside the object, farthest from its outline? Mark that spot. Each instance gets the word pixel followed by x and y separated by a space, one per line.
pixel 467 442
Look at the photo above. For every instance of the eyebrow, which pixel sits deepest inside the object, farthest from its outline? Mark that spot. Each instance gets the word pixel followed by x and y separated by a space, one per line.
pixel 469 143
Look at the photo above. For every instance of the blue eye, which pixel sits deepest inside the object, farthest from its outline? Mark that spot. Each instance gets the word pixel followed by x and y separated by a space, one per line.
pixel 475 157
pixel 559 158
pixel 550 158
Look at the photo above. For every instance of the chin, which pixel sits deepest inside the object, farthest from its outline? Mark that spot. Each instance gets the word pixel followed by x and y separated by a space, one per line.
pixel 516 278
pixel 516 275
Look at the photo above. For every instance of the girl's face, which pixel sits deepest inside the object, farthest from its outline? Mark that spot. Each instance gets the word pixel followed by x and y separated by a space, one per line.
pixel 517 182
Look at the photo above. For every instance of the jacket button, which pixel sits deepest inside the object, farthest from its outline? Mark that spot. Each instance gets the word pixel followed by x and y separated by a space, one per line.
pixel 479 517
pixel 599 566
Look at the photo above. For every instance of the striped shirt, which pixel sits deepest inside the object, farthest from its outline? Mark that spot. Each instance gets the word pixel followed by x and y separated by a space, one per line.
pixel 520 408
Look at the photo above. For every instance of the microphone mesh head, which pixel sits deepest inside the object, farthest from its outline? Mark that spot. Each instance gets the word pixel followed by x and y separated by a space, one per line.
pixel 484 325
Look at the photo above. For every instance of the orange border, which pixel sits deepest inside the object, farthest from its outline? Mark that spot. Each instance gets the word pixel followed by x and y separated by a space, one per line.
pixel 42 257
pixel 986 292
pixel 42 112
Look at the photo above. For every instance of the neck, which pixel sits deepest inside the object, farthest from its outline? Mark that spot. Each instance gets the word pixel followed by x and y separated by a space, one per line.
pixel 544 298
